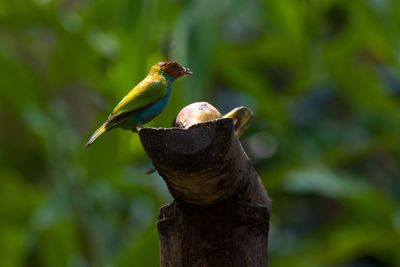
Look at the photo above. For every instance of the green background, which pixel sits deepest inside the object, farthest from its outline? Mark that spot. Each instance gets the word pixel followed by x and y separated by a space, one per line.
pixel 322 77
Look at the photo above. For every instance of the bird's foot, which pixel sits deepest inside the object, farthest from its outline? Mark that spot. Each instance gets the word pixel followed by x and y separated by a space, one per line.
pixel 135 129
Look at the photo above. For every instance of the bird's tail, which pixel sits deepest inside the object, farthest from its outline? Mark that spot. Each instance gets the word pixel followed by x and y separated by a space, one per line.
pixel 102 129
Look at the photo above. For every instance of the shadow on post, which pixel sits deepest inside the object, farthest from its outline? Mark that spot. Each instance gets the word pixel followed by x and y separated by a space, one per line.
pixel 220 216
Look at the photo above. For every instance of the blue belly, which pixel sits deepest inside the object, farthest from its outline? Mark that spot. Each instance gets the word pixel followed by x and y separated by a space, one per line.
pixel 150 112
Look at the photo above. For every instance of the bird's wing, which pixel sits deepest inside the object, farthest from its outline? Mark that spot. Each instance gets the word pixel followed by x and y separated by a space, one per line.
pixel 147 92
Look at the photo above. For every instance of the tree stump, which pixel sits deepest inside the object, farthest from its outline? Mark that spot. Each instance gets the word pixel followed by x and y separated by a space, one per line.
pixel 220 216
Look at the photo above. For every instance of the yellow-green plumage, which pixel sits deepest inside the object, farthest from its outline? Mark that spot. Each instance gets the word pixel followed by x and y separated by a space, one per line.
pixel 148 91
pixel 145 101
pixel 102 129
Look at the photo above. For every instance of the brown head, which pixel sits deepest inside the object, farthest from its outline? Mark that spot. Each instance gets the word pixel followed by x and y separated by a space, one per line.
pixel 172 68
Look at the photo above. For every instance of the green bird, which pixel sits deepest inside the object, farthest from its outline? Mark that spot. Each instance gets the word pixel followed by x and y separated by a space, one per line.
pixel 145 101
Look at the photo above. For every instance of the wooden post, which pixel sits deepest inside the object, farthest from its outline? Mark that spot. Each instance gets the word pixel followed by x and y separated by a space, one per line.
pixel 220 216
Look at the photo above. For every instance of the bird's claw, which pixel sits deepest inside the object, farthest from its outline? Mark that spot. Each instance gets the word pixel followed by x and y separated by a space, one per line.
pixel 135 129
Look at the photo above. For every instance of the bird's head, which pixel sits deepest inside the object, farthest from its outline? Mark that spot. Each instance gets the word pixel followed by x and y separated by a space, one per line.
pixel 172 69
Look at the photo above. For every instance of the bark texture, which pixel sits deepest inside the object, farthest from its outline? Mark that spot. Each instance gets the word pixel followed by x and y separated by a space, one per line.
pixel 220 216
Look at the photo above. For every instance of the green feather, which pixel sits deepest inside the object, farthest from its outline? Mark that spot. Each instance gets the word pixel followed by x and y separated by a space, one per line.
pixel 102 129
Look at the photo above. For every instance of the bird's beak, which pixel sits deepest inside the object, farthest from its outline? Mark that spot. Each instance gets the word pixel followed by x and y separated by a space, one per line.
pixel 187 71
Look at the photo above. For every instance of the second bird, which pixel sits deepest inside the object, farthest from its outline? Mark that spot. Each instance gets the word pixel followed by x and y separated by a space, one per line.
pixel 145 101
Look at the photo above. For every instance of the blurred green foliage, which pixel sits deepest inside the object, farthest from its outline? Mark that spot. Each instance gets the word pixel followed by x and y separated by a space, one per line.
pixel 322 77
